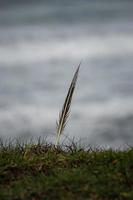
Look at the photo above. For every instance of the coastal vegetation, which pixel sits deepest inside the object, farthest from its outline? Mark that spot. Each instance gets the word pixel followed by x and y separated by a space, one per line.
pixel 44 171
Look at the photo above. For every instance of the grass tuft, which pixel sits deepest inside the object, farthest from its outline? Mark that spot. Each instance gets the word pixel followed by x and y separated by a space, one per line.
pixel 48 172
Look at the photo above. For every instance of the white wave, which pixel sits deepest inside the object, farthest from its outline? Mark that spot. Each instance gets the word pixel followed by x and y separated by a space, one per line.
pixel 25 52
pixel 94 115
pixel 84 120
pixel 115 107
pixel 21 119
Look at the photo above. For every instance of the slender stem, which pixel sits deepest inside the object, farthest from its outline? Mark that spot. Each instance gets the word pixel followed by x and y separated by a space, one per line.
pixel 57 140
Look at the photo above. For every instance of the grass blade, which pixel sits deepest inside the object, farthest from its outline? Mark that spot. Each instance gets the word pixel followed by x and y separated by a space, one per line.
pixel 63 116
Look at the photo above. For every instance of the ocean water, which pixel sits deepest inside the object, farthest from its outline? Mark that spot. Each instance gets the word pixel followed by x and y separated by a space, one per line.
pixel 41 45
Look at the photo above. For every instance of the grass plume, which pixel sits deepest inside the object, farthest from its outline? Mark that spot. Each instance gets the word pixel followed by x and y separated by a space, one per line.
pixel 66 107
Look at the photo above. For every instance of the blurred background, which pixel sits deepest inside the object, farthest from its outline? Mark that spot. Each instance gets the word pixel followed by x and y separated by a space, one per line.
pixel 41 45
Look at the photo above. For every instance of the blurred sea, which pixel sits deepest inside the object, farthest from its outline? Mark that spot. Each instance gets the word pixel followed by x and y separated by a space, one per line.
pixel 41 44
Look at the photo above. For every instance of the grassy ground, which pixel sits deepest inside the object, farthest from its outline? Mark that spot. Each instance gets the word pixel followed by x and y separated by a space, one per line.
pixel 44 172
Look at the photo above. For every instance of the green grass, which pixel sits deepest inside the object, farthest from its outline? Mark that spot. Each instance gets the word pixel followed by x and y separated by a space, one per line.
pixel 47 173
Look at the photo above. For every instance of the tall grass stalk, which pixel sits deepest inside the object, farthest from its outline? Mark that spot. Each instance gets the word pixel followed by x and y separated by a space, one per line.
pixel 63 116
